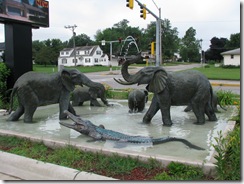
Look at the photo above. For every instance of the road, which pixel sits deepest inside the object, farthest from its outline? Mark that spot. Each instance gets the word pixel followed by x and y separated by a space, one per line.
pixel 108 78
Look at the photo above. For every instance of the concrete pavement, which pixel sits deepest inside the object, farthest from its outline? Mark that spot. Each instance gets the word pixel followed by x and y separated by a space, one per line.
pixel 15 167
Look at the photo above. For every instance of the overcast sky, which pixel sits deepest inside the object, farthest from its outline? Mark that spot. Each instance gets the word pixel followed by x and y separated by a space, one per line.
pixel 209 18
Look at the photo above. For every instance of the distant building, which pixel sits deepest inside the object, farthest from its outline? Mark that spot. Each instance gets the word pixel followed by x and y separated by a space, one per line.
pixel 85 56
pixel 232 57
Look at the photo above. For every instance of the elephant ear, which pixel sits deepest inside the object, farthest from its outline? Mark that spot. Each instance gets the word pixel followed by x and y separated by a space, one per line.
pixel 158 82
pixel 67 80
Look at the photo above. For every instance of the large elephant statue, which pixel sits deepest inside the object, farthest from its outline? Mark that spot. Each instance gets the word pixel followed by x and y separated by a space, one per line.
pixel 215 103
pixel 137 99
pixel 84 93
pixel 172 89
pixel 37 89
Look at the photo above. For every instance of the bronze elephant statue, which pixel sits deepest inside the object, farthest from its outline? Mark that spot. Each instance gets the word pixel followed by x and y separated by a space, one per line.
pixel 35 89
pixel 172 89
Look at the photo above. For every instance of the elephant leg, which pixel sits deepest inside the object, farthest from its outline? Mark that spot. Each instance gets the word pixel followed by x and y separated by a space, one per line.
pixel 199 109
pixel 29 112
pixel 71 109
pixel 210 113
pixel 64 104
pixel 94 102
pixel 141 106
pixel 153 109
pixel 164 105
pixel 17 114
pixel 188 108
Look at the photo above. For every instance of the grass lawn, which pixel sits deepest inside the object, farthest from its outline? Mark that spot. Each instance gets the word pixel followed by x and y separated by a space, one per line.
pixel 220 73
pixel 211 72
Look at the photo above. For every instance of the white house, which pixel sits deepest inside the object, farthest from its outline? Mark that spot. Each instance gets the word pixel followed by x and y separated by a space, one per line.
pixel 85 56
pixel 232 57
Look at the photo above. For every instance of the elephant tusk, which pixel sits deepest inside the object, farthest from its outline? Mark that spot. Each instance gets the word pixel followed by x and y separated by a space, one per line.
pixel 123 82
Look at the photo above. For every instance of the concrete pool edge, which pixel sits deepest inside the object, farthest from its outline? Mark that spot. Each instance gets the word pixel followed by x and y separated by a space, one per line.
pixel 208 166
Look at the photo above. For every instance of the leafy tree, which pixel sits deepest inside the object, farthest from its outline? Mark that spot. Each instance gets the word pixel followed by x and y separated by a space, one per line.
pixel 217 46
pixel 80 40
pixel 189 47
pixel 234 42
pixel 36 47
pixel 45 56
pixel 119 30
pixel 170 40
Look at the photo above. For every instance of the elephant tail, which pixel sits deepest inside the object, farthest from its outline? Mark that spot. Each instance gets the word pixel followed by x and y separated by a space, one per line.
pixel 12 100
pixel 211 99
pixel 169 139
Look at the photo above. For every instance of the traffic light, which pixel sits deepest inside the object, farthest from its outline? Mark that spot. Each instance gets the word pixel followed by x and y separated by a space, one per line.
pixel 130 3
pixel 143 12
pixel 151 48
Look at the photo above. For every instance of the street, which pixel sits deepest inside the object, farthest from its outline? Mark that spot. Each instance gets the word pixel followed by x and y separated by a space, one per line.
pixel 108 78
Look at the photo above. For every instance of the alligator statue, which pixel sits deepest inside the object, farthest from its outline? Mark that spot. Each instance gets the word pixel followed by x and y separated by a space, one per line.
pixel 100 133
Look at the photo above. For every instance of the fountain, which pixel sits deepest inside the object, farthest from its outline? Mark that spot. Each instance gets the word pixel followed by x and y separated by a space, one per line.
pixel 46 128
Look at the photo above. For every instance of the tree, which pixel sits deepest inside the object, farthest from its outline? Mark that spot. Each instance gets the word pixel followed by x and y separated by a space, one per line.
pixel 190 46
pixel 120 30
pixel 217 46
pixel 234 42
pixel 170 40
pixel 45 56
pixel 80 40
pixel 36 47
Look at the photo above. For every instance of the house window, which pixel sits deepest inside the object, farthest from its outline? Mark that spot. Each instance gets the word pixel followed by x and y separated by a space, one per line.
pixel 67 53
pixel 87 60
pixel 62 53
pixel 96 60
pixel 77 52
pixel 86 51
pixel 74 60
pixel 64 61
pixel 98 52
pixel 232 56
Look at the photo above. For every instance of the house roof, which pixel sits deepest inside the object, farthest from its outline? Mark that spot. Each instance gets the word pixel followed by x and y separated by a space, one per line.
pixel 232 52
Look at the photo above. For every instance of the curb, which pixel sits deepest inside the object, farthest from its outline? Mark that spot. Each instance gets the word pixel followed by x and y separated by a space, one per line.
pixel 30 169
pixel 224 84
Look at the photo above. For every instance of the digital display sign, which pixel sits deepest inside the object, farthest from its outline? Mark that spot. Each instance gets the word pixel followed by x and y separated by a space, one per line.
pixel 34 12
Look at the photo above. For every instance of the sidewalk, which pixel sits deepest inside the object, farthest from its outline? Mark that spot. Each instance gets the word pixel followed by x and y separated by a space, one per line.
pixel 15 167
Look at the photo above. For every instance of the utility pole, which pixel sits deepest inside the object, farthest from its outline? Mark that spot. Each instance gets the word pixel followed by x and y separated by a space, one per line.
pixel 72 28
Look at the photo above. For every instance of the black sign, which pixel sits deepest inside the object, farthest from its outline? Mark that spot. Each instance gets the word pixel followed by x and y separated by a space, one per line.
pixel 34 12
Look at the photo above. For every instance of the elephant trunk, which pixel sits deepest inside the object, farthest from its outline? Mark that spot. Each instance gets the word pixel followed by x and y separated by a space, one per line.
pixel 129 79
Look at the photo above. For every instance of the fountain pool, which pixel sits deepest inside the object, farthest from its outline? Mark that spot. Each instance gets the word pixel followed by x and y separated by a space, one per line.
pixel 47 127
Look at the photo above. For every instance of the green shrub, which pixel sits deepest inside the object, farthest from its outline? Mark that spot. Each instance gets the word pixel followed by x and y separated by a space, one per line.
pixel 228 158
pixel 178 171
pixel 226 97
pixel 4 73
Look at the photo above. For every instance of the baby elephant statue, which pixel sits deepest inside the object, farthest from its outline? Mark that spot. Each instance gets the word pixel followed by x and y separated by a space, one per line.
pixel 136 100
pixel 215 102
pixel 38 89
pixel 82 94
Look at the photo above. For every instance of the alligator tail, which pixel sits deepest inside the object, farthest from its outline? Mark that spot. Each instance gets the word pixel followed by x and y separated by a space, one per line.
pixel 169 139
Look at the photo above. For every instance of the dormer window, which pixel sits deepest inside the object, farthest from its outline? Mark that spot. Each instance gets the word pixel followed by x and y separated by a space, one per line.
pixel 86 51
